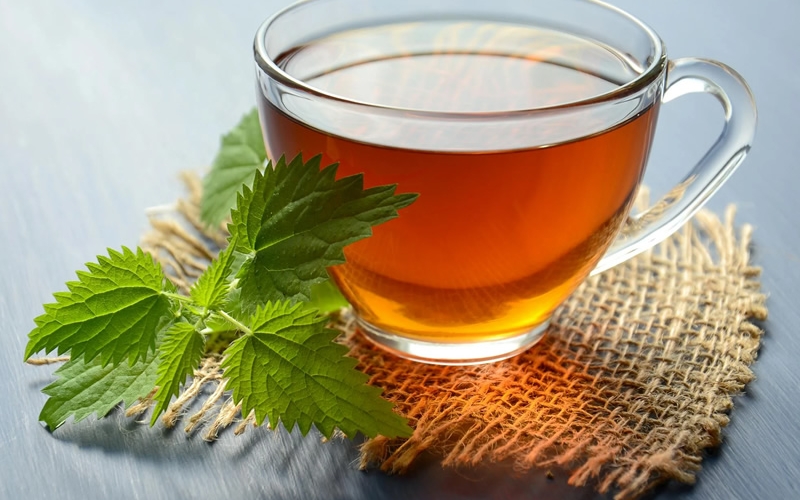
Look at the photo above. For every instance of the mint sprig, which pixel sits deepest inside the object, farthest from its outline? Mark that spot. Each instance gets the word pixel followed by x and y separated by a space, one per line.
pixel 130 332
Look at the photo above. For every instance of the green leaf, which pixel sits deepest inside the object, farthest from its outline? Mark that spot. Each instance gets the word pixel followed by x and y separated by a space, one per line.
pixel 113 311
pixel 326 298
pixel 296 221
pixel 211 288
pixel 241 153
pixel 288 369
pixel 84 388
pixel 180 353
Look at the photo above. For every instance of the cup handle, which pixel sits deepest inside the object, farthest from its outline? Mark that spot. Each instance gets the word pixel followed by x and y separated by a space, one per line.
pixel 688 76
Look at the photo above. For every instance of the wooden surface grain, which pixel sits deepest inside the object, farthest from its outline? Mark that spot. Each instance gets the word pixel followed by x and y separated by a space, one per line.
pixel 103 103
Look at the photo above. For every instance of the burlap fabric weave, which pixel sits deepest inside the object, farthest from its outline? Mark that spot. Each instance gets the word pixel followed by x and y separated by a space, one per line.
pixel 631 383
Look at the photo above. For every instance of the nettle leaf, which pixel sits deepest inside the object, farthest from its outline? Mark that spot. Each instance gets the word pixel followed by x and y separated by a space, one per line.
pixel 295 222
pixel 112 312
pixel 326 297
pixel 85 388
pixel 211 288
pixel 180 353
pixel 241 153
pixel 288 369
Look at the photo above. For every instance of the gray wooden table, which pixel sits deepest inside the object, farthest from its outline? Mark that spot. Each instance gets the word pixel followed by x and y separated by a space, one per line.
pixel 103 103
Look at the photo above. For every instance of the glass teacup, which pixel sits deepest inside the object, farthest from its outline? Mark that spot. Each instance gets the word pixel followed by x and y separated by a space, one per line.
pixel 524 125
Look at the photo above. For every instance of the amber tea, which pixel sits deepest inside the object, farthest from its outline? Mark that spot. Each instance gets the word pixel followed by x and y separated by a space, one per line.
pixel 509 221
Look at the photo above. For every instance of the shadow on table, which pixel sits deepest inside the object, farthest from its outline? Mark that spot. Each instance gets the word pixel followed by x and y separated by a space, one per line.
pixel 311 469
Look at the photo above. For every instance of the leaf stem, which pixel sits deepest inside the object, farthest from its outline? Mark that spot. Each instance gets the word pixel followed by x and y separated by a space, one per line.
pixel 234 322
pixel 179 297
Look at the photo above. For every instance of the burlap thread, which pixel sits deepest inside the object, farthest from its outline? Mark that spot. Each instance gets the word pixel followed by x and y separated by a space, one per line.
pixel 633 381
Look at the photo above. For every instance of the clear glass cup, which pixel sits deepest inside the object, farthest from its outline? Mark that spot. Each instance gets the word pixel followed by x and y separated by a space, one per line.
pixel 525 126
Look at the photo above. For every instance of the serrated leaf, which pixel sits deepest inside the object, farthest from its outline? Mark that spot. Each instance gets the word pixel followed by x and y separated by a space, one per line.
pixel 113 311
pixel 295 222
pixel 85 388
pixel 288 369
pixel 326 298
pixel 180 353
pixel 211 288
pixel 241 153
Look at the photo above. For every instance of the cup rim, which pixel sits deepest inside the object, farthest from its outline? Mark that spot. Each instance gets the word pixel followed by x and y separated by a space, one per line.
pixel 643 80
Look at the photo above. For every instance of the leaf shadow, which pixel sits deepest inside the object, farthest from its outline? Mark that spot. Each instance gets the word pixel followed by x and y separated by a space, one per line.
pixel 121 435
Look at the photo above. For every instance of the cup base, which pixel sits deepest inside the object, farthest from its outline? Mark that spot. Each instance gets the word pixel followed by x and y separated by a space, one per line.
pixel 457 354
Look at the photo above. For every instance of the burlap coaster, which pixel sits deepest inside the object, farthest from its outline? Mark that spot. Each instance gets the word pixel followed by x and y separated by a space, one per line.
pixel 632 382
